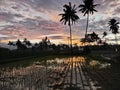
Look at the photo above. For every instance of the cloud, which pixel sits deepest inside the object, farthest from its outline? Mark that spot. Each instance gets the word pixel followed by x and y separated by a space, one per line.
pixel 3 36
pixel 36 18
pixel 57 36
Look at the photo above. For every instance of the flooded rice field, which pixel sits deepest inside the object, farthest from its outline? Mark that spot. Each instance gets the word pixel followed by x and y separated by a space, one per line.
pixel 72 73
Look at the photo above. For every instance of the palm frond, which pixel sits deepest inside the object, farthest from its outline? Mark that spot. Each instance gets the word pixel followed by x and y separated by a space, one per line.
pixel 113 25
pixel 88 6
pixel 69 16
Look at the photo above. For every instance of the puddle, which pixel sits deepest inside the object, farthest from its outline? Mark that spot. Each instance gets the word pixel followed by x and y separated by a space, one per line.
pixel 59 74
pixel 97 64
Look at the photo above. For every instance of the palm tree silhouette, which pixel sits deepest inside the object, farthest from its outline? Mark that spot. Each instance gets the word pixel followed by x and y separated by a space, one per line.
pixel 114 27
pixel 88 7
pixel 104 34
pixel 94 37
pixel 69 17
pixel 27 42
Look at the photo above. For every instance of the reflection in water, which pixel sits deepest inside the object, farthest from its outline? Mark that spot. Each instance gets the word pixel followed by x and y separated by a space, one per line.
pixel 98 64
pixel 94 63
pixel 28 78
pixel 59 74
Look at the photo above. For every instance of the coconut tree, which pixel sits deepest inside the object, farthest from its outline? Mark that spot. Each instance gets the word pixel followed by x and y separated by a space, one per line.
pixel 104 34
pixel 114 27
pixel 69 17
pixel 88 7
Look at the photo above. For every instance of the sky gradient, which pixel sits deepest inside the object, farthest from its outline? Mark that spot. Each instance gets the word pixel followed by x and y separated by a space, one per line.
pixel 35 19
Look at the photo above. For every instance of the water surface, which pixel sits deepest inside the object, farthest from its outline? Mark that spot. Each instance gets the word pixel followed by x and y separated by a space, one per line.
pixel 71 73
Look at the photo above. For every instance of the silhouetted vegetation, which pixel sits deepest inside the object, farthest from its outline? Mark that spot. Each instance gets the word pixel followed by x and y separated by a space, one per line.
pixel 114 27
pixel 69 16
pixel 27 49
pixel 88 7
pixel 46 48
pixel 91 38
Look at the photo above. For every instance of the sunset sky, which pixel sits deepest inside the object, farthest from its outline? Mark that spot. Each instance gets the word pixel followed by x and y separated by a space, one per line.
pixel 35 19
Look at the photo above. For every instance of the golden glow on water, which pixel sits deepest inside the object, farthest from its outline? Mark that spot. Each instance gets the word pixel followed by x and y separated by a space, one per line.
pixel 78 59
pixel 94 63
pixel 16 71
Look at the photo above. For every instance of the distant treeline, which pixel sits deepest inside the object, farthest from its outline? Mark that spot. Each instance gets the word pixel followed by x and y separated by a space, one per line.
pixel 45 48
pixel 26 49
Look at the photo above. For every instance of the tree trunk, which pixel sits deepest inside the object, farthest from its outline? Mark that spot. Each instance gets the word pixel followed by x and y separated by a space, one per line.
pixel 116 39
pixel 116 43
pixel 87 25
pixel 70 39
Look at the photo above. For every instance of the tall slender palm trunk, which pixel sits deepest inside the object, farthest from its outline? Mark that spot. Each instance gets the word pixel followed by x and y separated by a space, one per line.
pixel 116 39
pixel 71 78
pixel 116 43
pixel 87 25
pixel 70 39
